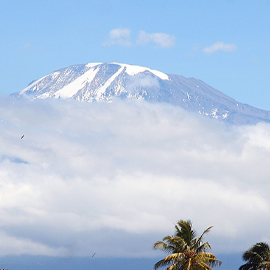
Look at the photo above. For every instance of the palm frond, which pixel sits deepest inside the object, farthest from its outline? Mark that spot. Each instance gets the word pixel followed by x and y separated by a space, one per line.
pixel 208 258
pixel 162 263
pixel 177 243
pixel 174 239
pixel 184 230
pixel 165 248
pixel 170 259
pixel 203 247
pixel 174 257
pixel 264 265
pixel 174 266
pixel 160 245
pixel 203 266
pixel 248 266
pixel 199 240
pixel 252 256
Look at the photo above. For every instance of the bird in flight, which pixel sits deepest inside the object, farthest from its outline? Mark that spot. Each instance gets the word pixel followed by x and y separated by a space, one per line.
pixel 22 136
pixel 94 254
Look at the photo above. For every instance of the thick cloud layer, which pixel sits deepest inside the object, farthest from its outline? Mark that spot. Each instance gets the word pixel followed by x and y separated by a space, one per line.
pixel 114 178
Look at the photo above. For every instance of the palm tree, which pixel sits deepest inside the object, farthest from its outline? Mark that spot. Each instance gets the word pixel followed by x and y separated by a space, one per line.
pixel 187 252
pixel 257 257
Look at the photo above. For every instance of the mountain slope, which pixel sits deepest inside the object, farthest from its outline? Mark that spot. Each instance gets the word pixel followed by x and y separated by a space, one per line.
pixel 103 82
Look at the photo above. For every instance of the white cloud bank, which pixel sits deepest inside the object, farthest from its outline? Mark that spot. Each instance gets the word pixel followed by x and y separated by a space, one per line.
pixel 96 177
pixel 219 46
pixel 122 37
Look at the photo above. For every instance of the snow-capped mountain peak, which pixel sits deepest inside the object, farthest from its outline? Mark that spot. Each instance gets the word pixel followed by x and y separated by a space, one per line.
pixel 133 70
pixel 94 81
pixel 105 81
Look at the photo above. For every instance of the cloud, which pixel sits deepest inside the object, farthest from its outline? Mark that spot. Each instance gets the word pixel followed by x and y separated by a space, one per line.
pixel 122 37
pixel 219 46
pixel 119 36
pixel 139 83
pixel 163 40
pixel 97 176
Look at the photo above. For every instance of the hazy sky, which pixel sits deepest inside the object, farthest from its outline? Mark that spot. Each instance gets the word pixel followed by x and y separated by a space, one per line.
pixel 222 42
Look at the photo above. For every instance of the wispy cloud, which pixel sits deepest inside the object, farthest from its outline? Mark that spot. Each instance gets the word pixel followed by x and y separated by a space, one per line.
pixel 122 37
pixel 219 46
pixel 163 40
pixel 119 36
pixel 98 176
pixel 145 81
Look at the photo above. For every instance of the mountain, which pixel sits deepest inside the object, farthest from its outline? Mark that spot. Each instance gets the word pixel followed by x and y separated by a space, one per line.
pixel 104 82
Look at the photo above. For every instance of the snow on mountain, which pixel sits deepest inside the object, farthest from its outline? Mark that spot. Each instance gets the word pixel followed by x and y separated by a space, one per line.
pixel 103 82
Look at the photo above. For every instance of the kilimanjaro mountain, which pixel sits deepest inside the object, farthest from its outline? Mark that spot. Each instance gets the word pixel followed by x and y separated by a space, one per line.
pixel 105 82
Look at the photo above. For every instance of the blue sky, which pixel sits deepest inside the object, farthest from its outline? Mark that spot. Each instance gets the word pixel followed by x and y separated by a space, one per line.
pixel 225 43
